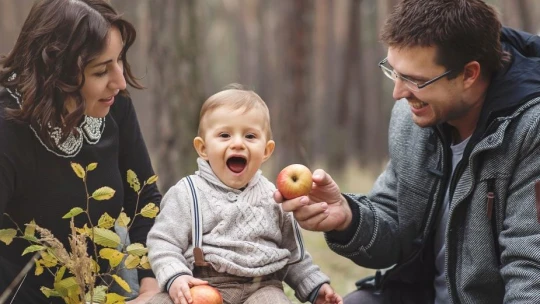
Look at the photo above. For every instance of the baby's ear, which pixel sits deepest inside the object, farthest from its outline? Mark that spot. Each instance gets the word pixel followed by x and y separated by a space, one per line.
pixel 270 145
pixel 200 147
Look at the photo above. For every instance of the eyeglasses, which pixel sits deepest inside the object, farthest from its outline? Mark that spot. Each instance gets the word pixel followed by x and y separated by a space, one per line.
pixel 412 85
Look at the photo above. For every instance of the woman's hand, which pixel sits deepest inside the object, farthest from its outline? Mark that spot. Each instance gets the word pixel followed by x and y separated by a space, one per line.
pixel 148 288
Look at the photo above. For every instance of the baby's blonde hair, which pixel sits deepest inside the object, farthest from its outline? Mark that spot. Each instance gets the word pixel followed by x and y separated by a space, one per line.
pixel 235 96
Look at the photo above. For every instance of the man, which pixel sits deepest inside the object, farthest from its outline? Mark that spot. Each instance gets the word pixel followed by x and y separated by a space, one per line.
pixel 454 214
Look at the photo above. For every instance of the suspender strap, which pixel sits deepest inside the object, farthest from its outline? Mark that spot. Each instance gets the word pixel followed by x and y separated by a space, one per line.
pixel 299 241
pixel 196 224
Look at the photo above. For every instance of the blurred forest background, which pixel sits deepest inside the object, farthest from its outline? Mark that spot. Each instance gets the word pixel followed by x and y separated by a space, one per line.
pixel 313 61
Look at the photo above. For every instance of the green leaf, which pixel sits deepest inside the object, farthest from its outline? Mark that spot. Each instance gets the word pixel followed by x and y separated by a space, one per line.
pixel 30 229
pixel 60 274
pixel 73 212
pixel 48 259
pixel 137 249
pixel 91 167
pixel 106 221
pixel 49 292
pixel 78 169
pixel 121 282
pixel 33 248
pixel 150 210
pixel 103 193
pixel 7 235
pixel 152 179
pixel 66 286
pixel 99 294
pixel 114 256
pixel 31 238
pixel 105 237
pixel 133 180
pixel 123 220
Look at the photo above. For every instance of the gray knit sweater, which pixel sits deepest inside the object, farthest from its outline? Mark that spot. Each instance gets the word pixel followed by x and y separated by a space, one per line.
pixel 245 233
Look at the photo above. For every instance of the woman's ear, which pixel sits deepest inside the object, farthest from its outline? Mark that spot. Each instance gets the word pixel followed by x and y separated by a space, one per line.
pixel 269 149
pixel 200 147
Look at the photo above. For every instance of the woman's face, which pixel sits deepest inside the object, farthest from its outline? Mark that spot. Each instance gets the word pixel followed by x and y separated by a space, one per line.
pixel 104 77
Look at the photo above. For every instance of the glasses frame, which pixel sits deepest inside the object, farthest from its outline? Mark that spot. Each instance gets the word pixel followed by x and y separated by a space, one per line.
pixel 393 75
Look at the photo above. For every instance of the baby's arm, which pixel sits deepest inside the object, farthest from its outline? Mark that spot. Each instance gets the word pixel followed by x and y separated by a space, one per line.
pixel 179 290
pixel 327 295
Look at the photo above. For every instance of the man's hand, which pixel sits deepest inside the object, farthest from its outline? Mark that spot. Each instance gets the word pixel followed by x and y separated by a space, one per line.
pixel 324 209
pixel 179 290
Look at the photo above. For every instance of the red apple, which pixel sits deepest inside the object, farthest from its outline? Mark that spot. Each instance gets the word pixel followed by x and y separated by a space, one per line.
pixel 205 294
pixel 294 181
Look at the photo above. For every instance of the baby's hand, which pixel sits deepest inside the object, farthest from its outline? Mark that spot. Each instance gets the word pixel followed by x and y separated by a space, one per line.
pixel 328 296
pixel 179 290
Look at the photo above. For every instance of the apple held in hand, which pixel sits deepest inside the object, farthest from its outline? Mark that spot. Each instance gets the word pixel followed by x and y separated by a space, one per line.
pixel 205 294
pixel 294 181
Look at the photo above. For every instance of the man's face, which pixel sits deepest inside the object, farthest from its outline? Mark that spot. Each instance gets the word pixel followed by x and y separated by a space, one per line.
pixel 441 101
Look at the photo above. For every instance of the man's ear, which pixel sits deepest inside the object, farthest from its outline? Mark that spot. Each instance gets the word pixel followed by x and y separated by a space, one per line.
pixel 269 149
pixel 471 73
pixel 200 147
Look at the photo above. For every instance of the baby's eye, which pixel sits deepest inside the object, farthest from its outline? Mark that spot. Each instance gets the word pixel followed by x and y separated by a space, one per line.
pixel 224 135
pixel 251 136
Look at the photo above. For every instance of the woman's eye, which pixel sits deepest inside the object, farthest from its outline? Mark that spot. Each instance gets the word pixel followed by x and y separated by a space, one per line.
pixel 100 74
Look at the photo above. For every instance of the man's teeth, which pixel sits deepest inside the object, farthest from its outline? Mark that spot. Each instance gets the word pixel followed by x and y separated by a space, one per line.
pixel 417 104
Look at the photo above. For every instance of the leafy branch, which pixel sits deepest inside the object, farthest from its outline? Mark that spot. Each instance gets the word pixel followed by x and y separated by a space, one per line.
pixel 76 272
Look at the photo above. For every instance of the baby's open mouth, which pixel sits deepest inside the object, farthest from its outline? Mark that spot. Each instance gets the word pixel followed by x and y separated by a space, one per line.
pixel 236 164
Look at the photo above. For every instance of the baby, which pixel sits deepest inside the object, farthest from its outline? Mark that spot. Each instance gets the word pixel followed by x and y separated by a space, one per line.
pixel 221 226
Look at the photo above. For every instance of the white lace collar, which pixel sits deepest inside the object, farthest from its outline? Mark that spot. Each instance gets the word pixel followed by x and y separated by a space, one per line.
pixel 89 130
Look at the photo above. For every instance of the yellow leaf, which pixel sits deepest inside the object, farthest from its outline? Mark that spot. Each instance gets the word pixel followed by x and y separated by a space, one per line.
pixel 121 282
pixel 39 269
pixel 145 263
pixel 106 221
pixel 73 212
pixel 48 260
pixel 105 237
pixel 103 193
pixel 114 256
pixel 95 266
pixel 7 235
pixel 91 166
pixel 152 179
pixel 132 261
pixel 150 210
pixel 114 298
pixel 123 220
pixel 30 229
pixel 84 230
pixel 33 248
pixel 78 169
pixel 133 180
pixel 137 249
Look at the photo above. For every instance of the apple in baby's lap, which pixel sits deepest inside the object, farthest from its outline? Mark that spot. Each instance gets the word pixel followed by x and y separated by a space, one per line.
pixel 205 294
pixel 294 181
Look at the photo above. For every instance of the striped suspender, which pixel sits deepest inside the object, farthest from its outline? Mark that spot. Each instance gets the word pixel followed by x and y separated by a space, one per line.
pixel 196 229
pixel 196 223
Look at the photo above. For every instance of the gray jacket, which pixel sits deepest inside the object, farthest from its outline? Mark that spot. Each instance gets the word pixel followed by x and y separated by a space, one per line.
pixel 493 232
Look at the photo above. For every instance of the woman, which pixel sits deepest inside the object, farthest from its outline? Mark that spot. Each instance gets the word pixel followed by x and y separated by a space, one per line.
pixel 65 100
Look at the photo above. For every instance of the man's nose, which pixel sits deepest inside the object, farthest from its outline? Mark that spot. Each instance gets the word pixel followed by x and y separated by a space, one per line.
pixel 400 90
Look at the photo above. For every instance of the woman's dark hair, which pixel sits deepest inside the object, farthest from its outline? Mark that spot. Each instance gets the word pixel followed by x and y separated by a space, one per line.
pixel 58 40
